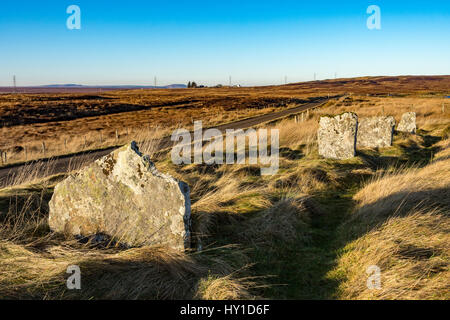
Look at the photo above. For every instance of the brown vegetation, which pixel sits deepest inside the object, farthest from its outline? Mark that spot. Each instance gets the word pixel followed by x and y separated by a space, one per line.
pixel 310 231
pixel 40 125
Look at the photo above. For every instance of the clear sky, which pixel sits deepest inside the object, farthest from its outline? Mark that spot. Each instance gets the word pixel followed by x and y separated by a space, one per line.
pixel 255 42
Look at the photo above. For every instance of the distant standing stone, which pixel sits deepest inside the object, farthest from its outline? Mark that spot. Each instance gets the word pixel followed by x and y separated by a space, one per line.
pixel 123 196
pixel 375 132
pixel 408 123
pixel 337 136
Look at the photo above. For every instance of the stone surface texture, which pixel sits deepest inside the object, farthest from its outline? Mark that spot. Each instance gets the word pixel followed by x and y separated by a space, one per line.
pixel 337 136
pixel 123 196
pixel 375 132
pixel 408 123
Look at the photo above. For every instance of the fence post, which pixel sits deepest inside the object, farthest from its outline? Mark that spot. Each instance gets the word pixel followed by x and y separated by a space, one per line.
pixel 443 107
pixel 84 147
pixel 43 147
pixel 65 144
pixel 101 137
pixel 1 156
pixel 117 135
pixel 26 153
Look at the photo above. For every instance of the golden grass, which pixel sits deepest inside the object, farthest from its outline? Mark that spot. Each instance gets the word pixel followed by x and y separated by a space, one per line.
pixel 225 288
pixel 286 221
pixel 401 224
pixel 404 190
pixel 237 211
pixel 412 252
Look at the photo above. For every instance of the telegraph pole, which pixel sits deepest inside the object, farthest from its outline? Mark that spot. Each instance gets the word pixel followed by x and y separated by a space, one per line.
pixel 155 82
pixel 230 81
pixel 285 79
pixel 14 84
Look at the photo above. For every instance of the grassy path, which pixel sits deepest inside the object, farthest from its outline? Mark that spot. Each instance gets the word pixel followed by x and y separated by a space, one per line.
pixel 300 270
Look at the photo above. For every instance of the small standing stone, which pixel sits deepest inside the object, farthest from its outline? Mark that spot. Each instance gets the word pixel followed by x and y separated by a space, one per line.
pixel 337 136
pixel 375 132
pixel 408 123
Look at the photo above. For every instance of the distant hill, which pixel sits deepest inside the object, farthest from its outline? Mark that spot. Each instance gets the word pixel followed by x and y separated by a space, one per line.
pixel 380 85
pixel 78 88
pixel 71 85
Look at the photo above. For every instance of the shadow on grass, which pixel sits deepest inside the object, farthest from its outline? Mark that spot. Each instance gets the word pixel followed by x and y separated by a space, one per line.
pixel 408 151
pixel 370 216
pixel 150 273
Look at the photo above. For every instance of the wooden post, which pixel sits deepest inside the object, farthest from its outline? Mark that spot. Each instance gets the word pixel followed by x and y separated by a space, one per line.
pixel 127 131
pixel 443 107
pixel 84 142
pixel 296 119
pixel 101 137
pixel 6 157
pixel 1 156
pixel 117 135
pixel 65 144
pixel 303 117
pixel 43 147
pixel 26 153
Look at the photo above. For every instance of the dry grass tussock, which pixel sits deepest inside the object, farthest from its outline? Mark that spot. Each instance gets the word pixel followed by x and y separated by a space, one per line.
pixel 286 221
pixel 293 135
pixel 444 152
pixel 226 288
pixel 412 253
pixel 402 225
pixel 402 190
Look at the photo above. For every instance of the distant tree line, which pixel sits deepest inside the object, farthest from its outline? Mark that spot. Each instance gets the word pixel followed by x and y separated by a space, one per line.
pixel 192 84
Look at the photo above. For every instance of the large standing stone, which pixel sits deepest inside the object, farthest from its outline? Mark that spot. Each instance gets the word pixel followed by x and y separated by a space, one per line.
pixel 337 136
pixel 408 123
pixel 124 196
pixel 375 132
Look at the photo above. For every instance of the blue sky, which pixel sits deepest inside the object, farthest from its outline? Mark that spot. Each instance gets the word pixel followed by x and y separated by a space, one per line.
pixel 255 42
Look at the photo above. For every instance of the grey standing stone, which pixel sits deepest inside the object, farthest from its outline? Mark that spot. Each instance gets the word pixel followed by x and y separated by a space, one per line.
pixel 123 196
pixel 375 132
pixel 408 123
pixel 337 136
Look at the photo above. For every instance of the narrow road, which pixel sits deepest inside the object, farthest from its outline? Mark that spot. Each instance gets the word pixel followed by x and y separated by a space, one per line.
pixel 63 163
